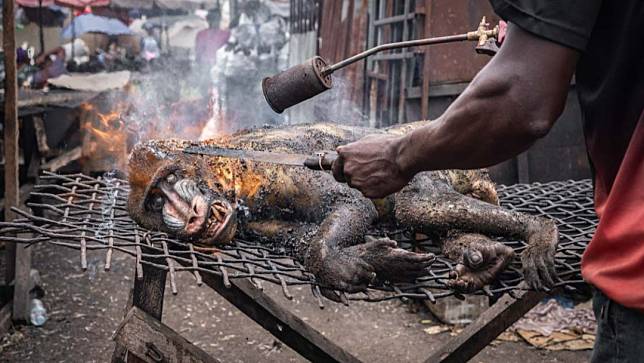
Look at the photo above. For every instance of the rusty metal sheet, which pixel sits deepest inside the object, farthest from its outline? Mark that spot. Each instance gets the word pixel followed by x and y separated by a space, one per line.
pixel 450 63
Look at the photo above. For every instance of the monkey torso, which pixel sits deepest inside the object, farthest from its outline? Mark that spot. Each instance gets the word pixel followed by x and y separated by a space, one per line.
pixel 274 191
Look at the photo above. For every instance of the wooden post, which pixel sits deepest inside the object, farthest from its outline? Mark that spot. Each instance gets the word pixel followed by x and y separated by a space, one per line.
pixel 17 256
pixel 486 328
pixel 22 284
pixel 10 125
pixel 147 295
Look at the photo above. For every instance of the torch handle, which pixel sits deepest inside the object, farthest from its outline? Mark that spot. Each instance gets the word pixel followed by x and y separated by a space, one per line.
pixel 481 34
pixel 322 161
pixel 405 44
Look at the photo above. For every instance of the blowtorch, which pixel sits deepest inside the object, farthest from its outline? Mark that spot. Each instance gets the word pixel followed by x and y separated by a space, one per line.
pixel 306 80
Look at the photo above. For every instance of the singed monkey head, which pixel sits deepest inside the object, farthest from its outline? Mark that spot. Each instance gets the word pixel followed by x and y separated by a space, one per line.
pixel 176 193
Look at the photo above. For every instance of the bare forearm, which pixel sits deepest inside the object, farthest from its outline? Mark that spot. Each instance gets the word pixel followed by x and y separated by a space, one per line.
pixel 477 131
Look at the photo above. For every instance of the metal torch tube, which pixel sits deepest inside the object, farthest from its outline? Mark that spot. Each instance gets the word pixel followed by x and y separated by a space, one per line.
pixel 410 43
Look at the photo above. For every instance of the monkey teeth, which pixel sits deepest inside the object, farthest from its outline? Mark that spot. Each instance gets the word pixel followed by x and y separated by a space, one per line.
pixel 220 207
pixel 218 212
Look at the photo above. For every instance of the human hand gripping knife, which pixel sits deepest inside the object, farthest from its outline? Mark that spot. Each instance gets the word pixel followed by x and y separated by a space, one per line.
pixel 306 80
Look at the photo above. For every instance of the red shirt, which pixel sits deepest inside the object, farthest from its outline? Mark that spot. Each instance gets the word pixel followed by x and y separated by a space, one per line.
pixel 614 259
pixel 207 43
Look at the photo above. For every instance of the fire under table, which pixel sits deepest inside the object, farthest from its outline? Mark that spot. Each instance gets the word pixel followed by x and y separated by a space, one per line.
pixel 88 214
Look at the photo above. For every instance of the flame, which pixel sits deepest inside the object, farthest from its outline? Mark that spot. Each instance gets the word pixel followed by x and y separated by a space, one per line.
pixel 131 118
pixel 105 139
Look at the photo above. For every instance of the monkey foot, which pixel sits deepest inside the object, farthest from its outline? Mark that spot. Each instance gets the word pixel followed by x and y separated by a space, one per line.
pixel 352 269
pixel 481 262
pixel 538 259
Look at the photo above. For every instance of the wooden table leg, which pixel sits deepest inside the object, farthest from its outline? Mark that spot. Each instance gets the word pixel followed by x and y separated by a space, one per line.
pixel 486 328
pixel 280 322
pixel 147 295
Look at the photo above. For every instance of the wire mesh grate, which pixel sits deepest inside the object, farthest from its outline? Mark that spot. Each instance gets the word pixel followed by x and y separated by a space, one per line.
pixel 85 213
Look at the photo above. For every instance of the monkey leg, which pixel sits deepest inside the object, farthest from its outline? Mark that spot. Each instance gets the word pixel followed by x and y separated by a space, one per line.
pixel 433 207
pixel 474 183
pixel 337 255
pixel 479 260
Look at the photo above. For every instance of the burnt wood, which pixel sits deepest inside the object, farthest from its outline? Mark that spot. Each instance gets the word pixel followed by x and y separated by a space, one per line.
pixel 147 295
pixel 152 341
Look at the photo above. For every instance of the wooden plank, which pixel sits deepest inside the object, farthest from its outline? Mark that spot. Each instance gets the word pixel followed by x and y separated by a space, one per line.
pixel 152 341
pixel 32 98
pixel 486 328
pixel 280 322
pixel 64 159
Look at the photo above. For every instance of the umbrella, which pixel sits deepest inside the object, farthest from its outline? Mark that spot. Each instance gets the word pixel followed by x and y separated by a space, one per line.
pixel 80 4
pixel 166 4
pixel 87 23
pixel 35 3
pixel 68 3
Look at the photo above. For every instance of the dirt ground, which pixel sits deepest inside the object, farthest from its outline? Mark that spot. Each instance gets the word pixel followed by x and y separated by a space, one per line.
pixel 85 308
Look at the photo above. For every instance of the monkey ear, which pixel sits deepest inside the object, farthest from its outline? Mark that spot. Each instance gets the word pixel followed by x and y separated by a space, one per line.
pixel 144 164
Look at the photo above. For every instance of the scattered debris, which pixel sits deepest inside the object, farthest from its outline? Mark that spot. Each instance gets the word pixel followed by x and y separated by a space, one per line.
pixel 10 339
pixel 553 327
pixel 558 340
pixel 436 329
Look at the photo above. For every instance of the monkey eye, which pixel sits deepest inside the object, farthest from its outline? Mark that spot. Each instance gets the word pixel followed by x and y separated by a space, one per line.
pixel 156 203
pixel 171 178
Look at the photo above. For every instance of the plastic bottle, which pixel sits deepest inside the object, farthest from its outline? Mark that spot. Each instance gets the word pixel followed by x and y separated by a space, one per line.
pixel 38 314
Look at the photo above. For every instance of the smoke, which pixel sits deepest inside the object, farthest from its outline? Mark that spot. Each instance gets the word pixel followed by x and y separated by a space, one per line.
pixel 172 102
pixel 178 98
pixel 334 105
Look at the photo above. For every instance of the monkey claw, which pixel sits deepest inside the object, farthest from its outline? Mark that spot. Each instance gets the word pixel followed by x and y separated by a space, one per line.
pixel 90 214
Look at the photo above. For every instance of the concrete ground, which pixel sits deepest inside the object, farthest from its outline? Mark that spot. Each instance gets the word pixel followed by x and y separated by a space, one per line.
pixel 85 308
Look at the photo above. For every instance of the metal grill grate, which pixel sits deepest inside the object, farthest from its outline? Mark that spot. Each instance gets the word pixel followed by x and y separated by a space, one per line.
pixel 85 213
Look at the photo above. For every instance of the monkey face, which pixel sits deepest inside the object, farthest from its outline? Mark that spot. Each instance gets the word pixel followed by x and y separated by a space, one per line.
pixel 178 197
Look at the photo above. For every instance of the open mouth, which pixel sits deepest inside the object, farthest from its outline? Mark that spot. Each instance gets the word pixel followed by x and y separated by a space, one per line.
pixel 218 223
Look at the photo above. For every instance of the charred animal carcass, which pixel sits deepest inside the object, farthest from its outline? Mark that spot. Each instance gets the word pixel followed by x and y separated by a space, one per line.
pixel 322 223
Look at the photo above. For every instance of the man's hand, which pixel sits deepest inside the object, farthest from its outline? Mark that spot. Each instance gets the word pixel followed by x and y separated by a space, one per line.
pixel 371 165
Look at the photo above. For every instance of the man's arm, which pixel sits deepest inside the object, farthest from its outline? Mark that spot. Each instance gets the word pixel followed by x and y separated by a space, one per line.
pixel 513 101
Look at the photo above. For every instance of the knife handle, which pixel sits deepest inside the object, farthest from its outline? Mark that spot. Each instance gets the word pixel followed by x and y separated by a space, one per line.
pixel 322 161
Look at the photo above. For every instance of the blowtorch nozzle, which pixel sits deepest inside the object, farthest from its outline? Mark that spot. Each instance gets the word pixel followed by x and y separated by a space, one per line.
pixel 296 84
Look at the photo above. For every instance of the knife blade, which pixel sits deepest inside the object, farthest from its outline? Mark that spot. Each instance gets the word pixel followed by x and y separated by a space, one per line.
pixel 320 161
